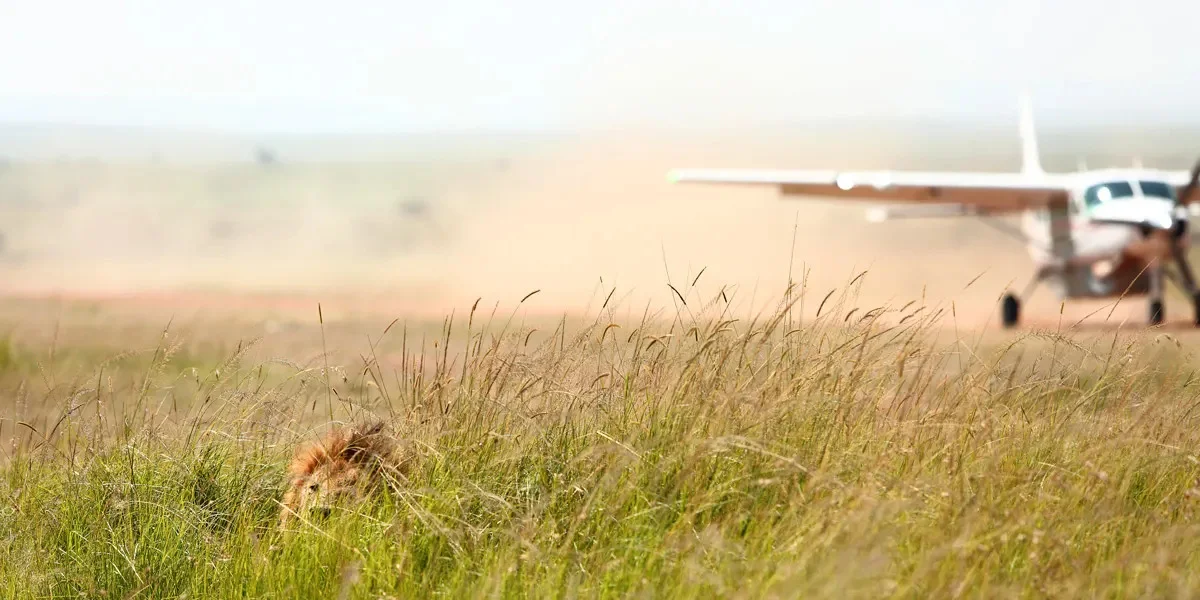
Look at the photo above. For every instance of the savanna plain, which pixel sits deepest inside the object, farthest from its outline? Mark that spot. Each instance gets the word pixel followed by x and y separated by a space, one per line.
pixel 820 440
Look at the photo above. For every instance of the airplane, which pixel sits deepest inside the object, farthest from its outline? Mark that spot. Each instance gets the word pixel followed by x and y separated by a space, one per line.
pixel 1100 233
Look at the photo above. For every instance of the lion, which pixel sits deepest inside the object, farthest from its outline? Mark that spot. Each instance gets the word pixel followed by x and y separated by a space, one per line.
pixel 345 465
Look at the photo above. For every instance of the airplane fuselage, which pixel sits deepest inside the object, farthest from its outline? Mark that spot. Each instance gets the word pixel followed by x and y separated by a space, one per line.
pixel 1088 242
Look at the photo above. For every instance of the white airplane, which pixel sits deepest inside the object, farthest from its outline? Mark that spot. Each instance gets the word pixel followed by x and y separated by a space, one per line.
pixel 1092 234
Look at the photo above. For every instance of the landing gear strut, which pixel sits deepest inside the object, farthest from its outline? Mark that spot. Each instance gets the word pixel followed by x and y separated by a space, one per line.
pixel 1156 295
pixel 1156 312
pixel 1010 306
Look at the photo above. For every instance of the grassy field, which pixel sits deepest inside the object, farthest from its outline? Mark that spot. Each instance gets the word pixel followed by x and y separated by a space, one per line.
pixel 692 454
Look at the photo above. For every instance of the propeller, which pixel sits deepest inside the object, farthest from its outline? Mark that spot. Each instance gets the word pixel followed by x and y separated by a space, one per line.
pixel 1181 201
pixel 1177 249
pixel 1190 188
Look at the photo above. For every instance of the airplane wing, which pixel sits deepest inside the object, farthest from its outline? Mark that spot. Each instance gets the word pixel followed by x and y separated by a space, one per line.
pixel 986 192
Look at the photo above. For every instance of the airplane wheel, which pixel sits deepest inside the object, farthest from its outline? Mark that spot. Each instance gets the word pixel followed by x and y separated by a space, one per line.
pixel 1011 310
pixel 1156 312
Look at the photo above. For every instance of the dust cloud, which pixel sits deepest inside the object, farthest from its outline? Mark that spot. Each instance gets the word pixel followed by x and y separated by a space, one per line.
pixel 602 216
pixel 579 221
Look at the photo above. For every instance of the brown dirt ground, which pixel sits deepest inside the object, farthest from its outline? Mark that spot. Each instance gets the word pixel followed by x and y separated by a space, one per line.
pixel 578 223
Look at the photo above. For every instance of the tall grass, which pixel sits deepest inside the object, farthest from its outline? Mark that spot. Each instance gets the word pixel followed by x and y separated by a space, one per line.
pixel 700 456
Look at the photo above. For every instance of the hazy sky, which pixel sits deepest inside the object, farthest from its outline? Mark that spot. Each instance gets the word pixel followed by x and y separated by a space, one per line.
pixel 300 65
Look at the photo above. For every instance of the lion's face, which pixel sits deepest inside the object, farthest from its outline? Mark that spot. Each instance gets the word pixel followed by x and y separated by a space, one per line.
pixel 334 472
pixel 330 485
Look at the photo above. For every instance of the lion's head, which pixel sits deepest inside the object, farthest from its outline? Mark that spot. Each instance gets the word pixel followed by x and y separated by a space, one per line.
pixel 339 468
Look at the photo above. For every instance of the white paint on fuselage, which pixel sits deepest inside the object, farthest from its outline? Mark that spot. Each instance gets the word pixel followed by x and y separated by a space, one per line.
pixel 1108 228
pixel 1090 241
pixel 1155 212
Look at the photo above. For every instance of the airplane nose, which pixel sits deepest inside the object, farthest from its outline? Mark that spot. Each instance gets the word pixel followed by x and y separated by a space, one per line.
pixel 1148 215
pixel 1158 217
pixel 1164 220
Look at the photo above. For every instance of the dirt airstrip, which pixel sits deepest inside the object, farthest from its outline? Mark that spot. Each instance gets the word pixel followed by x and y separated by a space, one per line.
pixel 580 224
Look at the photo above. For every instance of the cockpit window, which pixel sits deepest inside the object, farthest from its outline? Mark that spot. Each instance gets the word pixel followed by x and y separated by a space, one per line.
pixel 1157 189
pixel 1103 192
